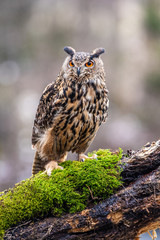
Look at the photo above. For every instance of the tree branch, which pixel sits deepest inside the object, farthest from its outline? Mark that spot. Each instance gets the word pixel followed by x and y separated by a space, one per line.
pixel 134 210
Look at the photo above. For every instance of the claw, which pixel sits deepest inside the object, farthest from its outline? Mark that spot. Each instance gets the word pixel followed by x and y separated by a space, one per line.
pixel 51 166
pixel 83 157
pixel 59 167
pixel 94 156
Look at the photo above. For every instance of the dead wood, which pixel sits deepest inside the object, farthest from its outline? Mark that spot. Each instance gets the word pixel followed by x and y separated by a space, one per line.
pixel 133 210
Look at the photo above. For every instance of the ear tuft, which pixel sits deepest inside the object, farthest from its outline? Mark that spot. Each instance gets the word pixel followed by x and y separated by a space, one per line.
pixel 97 52
pixel 69 50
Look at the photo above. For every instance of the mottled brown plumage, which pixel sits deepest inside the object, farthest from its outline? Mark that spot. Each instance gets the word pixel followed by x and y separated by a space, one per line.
pixel 70 110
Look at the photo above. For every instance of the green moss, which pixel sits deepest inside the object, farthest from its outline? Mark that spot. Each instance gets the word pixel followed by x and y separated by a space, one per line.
pixel 68 190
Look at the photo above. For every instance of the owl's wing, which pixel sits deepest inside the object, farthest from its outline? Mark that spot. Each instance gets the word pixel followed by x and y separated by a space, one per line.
pixel 49 106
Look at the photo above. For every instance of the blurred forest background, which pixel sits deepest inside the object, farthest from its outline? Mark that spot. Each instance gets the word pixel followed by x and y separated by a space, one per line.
pixel 32 37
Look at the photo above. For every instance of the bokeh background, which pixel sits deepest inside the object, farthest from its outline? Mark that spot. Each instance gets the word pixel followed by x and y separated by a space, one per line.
pixel 32 37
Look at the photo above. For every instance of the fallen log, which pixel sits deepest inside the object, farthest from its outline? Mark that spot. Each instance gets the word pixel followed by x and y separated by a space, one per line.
pixel 133 210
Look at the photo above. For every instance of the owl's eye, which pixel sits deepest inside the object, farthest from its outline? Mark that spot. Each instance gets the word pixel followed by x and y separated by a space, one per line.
pixel 71 64
pixel 89 64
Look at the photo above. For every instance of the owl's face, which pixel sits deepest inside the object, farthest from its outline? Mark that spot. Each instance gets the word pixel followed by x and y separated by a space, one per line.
pixel 81 64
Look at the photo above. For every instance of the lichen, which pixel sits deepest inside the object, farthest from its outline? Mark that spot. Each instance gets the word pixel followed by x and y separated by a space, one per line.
pixel 65 191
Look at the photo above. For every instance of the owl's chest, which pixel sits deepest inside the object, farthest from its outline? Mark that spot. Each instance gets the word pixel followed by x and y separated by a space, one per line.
pixel 87 104
pixel 83 112
pixel 90 103
pixel 94 101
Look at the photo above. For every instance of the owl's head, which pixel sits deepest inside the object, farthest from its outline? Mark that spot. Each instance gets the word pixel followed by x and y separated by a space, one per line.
pixel 82 64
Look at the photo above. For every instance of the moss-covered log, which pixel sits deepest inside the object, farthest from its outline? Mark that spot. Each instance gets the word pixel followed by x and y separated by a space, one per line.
pixel 133 210
pixel 70 190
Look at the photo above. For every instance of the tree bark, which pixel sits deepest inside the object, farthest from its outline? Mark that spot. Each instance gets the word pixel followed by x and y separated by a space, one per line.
pixel 133 210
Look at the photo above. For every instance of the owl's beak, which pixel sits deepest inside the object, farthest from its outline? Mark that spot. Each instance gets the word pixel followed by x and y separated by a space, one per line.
pixel 78 71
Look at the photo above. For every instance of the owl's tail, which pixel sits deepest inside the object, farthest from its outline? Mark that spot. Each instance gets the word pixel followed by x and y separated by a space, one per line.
pixel 37 164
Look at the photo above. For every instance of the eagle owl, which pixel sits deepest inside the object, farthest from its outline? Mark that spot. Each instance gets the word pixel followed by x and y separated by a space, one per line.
pixel 70 110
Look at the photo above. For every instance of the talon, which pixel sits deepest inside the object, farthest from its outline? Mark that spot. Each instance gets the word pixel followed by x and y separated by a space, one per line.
pixel 82 160
pixel 59 167
pixel 83 157
pixel 51 166
pixel 49 172
pixel 94 156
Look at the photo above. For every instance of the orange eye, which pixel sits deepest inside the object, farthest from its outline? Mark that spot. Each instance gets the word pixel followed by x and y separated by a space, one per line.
pixel 71 64
pixel 89 64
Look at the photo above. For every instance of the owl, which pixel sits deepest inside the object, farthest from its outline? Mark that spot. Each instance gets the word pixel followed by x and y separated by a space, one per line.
pixel 70 110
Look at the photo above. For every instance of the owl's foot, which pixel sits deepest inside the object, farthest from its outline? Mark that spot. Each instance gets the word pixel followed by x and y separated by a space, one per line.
pixel 51 166
pixel 82 157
